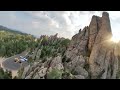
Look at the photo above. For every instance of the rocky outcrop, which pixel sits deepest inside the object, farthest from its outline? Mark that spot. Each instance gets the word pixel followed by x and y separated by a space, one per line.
pixel 56 63
pixel 78 77
pixel 34 54
pixel 94 27
pixel 79 42
pixel 77 61
pixel 101 52
pixel 39 70
pixel 94 42
pixel 90 55
pixel 38 54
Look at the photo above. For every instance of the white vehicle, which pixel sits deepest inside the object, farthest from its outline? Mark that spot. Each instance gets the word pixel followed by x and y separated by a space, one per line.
pixel 22 59
pixel 25 59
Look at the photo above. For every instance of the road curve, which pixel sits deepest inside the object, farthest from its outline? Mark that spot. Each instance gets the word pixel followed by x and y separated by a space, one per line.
pixel 9 63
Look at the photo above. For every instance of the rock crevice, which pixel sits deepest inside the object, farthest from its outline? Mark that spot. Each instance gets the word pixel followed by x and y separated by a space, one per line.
pixel 90 55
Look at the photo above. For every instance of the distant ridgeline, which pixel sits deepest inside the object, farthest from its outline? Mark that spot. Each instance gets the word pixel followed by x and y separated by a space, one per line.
pixel 14 42
pixel 11 30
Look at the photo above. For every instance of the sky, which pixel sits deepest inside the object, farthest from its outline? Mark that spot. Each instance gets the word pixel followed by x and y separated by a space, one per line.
pixel 65 23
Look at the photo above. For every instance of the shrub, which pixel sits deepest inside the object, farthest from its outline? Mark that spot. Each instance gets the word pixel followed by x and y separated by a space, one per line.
pixel 5 74
pixel 118 75
pixel 55 74
pixel 65 42
pixel 30 59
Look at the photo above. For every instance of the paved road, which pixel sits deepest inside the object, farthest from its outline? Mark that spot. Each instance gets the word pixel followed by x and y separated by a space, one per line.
pixel 9 63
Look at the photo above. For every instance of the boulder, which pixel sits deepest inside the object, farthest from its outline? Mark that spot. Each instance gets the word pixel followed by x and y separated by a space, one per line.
pixel 80 71
pixel 56 63
pixel 42 72
pixel 77 61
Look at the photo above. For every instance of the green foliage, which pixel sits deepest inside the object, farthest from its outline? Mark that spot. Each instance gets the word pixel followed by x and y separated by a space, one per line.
pixel 118 75
pixel 15 43
pixel 42 53
pixel 51 47
pixel 44 40
pixel 65 42
pixel 30 60
pixel 55 74
pixel 5 74
pixel 118 71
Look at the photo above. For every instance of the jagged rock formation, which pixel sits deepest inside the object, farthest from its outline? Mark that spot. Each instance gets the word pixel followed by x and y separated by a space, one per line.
pixel 40 70
pixel 90 55
pixel 94 42
pixel 100 61
pixel 46 59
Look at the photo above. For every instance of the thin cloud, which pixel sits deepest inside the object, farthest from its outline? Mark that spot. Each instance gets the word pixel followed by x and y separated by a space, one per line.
pixel 65 23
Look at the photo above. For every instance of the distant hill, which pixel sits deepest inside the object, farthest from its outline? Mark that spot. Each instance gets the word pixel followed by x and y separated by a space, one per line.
pixel 11 30
pixel 14 42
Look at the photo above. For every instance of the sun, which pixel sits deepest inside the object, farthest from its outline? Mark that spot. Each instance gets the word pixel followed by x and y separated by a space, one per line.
pixel 115 39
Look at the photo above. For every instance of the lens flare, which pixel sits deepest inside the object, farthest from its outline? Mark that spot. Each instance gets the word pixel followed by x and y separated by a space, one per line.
pixel 115 39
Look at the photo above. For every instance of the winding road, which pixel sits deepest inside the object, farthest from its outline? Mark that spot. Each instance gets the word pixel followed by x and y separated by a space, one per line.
pixel 9 63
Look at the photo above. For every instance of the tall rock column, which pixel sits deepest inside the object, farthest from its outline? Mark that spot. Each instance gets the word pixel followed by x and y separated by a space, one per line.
pixel 103 61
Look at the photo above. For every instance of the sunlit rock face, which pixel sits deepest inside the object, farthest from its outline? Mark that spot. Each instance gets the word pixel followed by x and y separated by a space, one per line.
pixel 94 42
pixel 98 58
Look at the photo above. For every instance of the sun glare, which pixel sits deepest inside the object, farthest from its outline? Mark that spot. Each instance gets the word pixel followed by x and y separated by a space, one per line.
pixel 115 39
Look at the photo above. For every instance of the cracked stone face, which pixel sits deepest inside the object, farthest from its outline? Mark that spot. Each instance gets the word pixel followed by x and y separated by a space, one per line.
pixel 89 55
